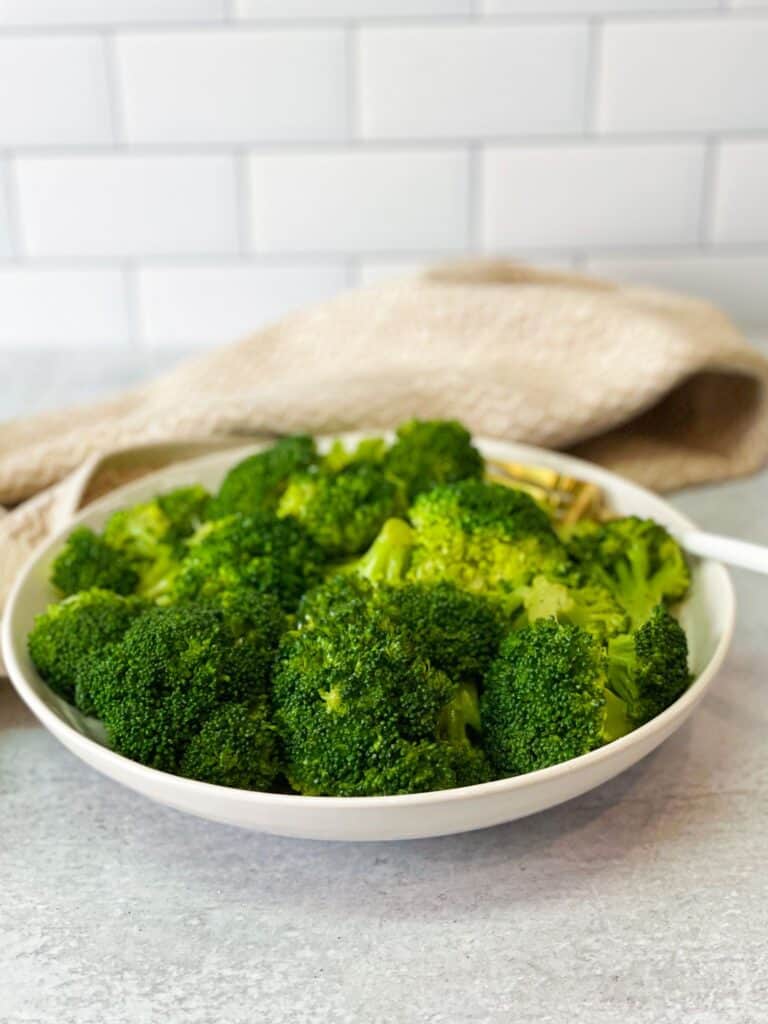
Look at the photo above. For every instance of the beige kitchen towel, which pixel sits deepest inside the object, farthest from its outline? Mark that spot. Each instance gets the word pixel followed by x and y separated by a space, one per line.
pixel 657 386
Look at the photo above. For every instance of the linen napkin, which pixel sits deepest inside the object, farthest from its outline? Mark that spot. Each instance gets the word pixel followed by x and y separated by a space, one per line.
pixel 660 387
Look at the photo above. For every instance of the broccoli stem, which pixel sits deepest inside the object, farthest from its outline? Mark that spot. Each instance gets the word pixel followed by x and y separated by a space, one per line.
pixel 388 558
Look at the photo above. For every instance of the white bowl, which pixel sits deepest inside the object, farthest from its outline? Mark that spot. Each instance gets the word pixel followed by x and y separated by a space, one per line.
pixel 707 616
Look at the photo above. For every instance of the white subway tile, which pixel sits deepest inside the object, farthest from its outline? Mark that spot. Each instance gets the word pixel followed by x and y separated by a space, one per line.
pixel 380 201
pixel 749 3
pixel 5 218
pixel 357 9
pixel 693 75
pixel 595 6
pixel 233 86
pixel 54 91
pixel 62 308
pixel 741 196
pixel 592 194
pixel 106 12
pixel 127 205
pixel 736 283
pixel 472 80
pixel 207 305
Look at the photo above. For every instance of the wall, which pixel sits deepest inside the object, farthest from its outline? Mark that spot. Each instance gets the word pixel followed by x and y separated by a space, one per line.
pixel 175 172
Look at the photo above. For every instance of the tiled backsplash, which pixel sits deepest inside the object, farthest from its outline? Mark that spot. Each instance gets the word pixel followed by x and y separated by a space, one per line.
pixel 174 173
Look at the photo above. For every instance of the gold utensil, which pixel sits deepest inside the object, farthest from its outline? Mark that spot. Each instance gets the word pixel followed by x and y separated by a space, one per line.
pixel 567 498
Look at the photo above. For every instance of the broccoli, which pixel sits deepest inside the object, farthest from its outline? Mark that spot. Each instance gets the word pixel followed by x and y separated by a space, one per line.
pixel 361 712
pixel 387 560
pixel 487 538
pixel 648 669
pixel 256 484
pixel 68 632
pixel 431 452
pixel 236 746
pixel 342 511
pixel 635 558
pixel 264 553
pixel 456 631
pixel 371 449
pixel 566 599
pixel 151 534
pixel 87 561
pixel 157 687
pixel 546 699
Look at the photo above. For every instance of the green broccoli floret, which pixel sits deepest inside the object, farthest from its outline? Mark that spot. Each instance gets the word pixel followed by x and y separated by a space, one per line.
pixel 387 560
pixel 236 747
pixel 546 699
pixel 256 484
pixel 566 599
pixel 87 561
pixel 157 687
pixel 486 538
pixel 361 711
pixel 264 553
pixel 431 452
pixel 342 511
pixel 635 558
pixel 371 449
pixel 648 669
pixel 68 632
pixel 151 535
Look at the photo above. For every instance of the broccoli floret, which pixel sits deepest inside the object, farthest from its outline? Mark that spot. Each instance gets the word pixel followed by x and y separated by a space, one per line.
pixel 486 538
pixel 342 511
pixel 256 484
pixel 648 669
pixel 371 449
pixel 87 561
pixel 387 560
pixel 590 606
pixel 156 688
pixel 80 625
pixel 264 553
pixel 236 747
pixel 635 558
pixel 456 631
pixel 359 712
pixel 151 536
pixel 431 452
pixel 546 699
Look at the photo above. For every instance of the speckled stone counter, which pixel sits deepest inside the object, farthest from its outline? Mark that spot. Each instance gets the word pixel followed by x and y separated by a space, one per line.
pixel 642 902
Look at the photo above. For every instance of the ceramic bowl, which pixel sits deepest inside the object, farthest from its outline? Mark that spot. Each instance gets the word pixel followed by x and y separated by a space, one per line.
pixel 707 615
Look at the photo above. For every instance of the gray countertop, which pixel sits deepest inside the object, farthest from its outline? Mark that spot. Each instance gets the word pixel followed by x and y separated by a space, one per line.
pixel 645 900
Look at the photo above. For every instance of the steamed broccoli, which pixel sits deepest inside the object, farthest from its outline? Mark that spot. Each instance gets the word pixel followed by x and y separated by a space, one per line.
pixel 342 511
pixel 157 687
pixel 256 484
pixel 487 538
pixel 68 632
pixel 236 746
pixel 546 699
pixel 87 561
pixel 267 554
pixel 431 452
pixel 361 712
pixel 150 535
pixel 371 450
pixel 635 558
pixel 387 560
pixel 568 600
pixel 648 669
pixel 454 630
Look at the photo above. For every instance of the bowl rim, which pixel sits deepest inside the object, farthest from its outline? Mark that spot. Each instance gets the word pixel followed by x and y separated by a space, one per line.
pixel 123 766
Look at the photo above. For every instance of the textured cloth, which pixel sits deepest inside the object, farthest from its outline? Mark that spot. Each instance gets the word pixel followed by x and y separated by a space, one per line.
pixel 657 386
